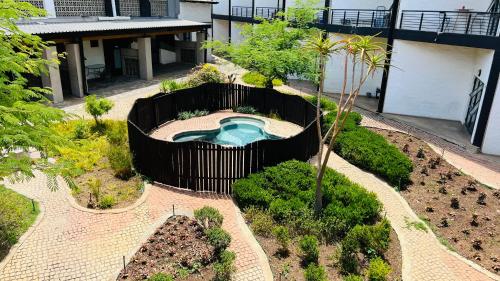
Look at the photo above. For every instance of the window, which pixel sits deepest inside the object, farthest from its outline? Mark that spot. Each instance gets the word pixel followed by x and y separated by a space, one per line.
pixel 94 43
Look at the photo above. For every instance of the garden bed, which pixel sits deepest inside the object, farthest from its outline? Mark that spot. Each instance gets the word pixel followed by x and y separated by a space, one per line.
pixel 178 248
pixel 462 212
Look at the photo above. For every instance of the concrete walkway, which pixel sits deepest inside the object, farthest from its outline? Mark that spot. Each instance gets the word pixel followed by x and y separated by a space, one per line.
pixel 70 243
pixel 424 258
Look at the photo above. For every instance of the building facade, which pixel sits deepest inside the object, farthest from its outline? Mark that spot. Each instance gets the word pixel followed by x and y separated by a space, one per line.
pixel 445 55
pixel 116 40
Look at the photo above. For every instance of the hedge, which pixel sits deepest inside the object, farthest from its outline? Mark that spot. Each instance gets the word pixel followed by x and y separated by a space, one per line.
pixel 371 151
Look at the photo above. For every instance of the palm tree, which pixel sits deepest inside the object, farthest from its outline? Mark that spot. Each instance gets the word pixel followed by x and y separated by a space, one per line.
pixel 360 51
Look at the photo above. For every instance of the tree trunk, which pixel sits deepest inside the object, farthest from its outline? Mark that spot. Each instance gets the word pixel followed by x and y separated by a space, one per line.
pixel 318 205
pixel 269 84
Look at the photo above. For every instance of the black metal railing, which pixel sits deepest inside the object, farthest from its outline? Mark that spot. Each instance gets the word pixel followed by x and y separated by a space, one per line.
pixel 361 18
pixel 266 12
pixel 459 22
pixel 202 166
pixel 241 11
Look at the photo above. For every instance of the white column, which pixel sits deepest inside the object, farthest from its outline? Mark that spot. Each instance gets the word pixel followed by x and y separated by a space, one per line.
pixel 145 59
pixel 200 52
pixel 75 69
pixel 113 5
pixel 52 79
pixel 50 7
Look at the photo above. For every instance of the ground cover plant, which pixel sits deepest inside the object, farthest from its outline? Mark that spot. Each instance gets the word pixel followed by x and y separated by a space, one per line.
pixel 185 248
pixel 462 212
pixel 206 73
pixel 279 206
pixel 17 214
pixel 258 80
pixel 102 165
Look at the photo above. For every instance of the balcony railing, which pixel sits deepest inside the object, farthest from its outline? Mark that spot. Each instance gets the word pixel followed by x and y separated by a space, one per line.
pixel 459 22
pixel 240 11
pixel 266 12
pixel 360 18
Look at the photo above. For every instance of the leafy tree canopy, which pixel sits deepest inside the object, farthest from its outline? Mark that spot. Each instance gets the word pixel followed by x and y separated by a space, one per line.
pixel 26 119
pixel 274 48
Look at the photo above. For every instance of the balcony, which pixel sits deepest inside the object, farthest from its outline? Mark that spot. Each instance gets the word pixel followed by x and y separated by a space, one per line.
pixel 455 22
pixel 260 12
pixel 241 11
pixel 360 18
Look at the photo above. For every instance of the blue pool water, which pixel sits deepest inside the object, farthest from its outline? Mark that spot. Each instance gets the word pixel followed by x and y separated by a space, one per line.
pixel 234 131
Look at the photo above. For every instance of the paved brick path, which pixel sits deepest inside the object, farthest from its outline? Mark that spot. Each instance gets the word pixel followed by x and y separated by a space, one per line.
pixel 70 244
pixel 424 258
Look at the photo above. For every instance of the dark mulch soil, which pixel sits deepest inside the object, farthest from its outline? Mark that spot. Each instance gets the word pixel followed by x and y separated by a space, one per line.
pixel 460 210
pixel 290 267
pixel 179 243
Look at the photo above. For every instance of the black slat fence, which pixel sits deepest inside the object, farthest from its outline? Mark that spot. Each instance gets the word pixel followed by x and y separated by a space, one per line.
pixel 208 167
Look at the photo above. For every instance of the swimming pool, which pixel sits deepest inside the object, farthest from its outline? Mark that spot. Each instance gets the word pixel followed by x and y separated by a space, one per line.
pixel 234 131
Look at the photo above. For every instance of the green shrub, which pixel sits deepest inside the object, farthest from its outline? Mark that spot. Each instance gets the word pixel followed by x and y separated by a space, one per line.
pixel 326 103
pixel 283 236
pixel 352 277
pixel 352 122
pixel 218 238
pixel 97 106
pixel 210 215
pixel 116 132
pixel 371 151
pixel 310 249
pixel 81 131
pixel 378 270
pixel 315 273
pixel 184 115
pixel 94 185
pixel 205 74
pixel 161 277
pixel 245 110
pixel 107 201
pixel 258 80
pixel 120 160
pixel 224 267
pixel 249 192
pixel 16 216
pixel 262 224
pixel 168 86
pixel 283 210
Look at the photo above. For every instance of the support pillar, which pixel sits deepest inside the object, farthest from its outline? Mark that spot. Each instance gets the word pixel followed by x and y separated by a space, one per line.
pixel 145 59
pixel 75 69
pixel 52 79
pixel 200 52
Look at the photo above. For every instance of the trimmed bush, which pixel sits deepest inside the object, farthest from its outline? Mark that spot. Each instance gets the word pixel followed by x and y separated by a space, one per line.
pixel 283 236
pixel 161 277
pixel 310 250
pixel 107 201
pixel 212 215
pixel 97 106
pixel 218 238
pixel 258 80
pixel 326 103
pixel 352 122
pixel 184 115
pixel 250 192
pixel 371 151
pixel 262 224
pixel 352 277
pixel 224 267
pixel 315 273
pixel 378 270
pixel 283 210
pixel 207 73
pixel 245 109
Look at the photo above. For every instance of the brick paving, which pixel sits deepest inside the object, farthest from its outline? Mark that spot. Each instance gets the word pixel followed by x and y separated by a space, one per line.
pixel 424 258
pixel 70 244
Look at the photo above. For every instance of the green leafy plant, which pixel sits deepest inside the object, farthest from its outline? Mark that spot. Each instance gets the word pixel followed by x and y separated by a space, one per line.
pixel 245 110
pixel 97 107
pixel 378 270
pixel 326 104
pixel 94 185
pixel 283 210
pixel 218 238
pixel 352 277
pixel 262 224
pixel 283 237
pixel 207 73
pixel 161 277
pixel 168 86
pixel 371 151
pixel 224 267
pixel 184 115
pixel 315 272
pixel 82 131
pixel 120 160
pixel 310 249
pixel 259 80
pixel 107 201
pixel 209 217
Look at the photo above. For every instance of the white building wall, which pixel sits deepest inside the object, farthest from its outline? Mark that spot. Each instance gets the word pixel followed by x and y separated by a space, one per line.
pixel 430 80
pixel 491 142
pixel 444 5
pixel 335 72
pixel 93 55
pixel 222 7
pixel 221 30
pixel 360 4
pixel 195 12
pixel 236 36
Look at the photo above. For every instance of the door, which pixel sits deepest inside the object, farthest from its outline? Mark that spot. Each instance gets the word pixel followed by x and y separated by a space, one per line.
pixel 473 109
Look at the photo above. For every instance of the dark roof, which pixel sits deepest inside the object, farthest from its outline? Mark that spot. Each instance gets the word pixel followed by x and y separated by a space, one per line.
pixel 80 25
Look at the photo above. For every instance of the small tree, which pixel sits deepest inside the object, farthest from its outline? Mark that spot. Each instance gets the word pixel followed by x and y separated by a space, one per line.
pixel 273 48
pixel 365 56
pixel 97 107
